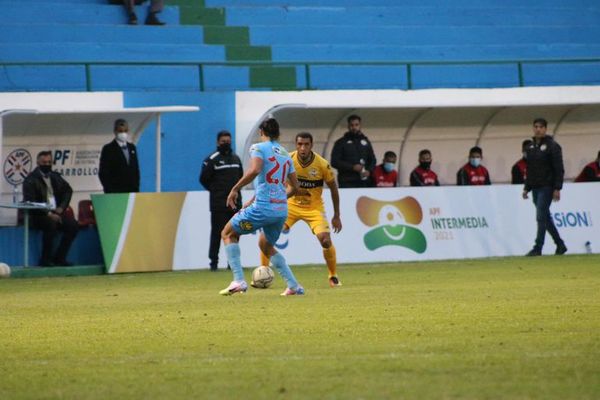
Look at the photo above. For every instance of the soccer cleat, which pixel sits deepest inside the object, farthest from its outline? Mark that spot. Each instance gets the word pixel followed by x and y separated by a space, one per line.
pixel 292 292
pixel 234 287
pixel 334 281
pixel 534 253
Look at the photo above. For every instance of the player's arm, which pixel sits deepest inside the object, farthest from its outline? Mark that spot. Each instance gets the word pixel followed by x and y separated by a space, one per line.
pixel 336 221
pixel 256 164
pixel 292 185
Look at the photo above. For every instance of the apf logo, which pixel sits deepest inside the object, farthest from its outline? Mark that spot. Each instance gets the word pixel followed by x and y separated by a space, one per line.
pixel 17 166
pixel 388 219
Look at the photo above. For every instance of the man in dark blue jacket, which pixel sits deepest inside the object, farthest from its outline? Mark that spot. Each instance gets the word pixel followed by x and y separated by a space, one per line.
pixel 545 172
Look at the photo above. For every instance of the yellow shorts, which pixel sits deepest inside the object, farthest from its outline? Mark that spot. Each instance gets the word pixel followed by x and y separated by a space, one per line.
pixel 316 219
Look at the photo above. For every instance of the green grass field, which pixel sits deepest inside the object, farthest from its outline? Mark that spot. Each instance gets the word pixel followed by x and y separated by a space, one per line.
pixel 511 328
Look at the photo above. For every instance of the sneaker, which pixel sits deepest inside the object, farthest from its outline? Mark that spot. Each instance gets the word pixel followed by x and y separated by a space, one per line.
pixel 132 19
pixel 152 19
pixel 292 292
pixel 560 249
pixel 234 287
pixel 533 253
pixel 334 281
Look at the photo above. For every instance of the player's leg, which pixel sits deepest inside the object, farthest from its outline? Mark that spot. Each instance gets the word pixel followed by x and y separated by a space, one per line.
pixel 317 221
pixel 267 238
pixel 330 256
pixel 231 240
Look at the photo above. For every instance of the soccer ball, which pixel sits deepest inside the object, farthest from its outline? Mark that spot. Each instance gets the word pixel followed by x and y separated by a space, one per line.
pixel 262 277
pixel 4 270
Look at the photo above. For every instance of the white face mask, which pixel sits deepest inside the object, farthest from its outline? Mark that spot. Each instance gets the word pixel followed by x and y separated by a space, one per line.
pixel 122 137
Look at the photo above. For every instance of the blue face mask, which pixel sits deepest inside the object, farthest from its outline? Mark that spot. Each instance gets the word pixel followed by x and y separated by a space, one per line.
pixel 388 166
pixel 475 162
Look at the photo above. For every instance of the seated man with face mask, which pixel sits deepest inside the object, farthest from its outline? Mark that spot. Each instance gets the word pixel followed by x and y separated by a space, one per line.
pixel 423 175
pixel 385 174
pixel 119 171
pixel 473 173
pixel 43 185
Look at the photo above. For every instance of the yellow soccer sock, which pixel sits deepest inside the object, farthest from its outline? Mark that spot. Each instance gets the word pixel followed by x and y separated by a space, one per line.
pixel 264 260
pixel 330 259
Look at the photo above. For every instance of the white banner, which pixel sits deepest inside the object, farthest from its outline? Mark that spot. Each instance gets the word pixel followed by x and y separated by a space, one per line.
pixel 405 224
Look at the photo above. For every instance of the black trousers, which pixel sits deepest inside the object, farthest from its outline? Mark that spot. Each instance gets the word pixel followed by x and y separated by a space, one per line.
pixel 51 229
pixel 218 220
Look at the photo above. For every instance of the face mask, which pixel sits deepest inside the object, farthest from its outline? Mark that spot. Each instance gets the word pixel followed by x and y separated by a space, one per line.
pixel 122 137
pixel 45 169
pixel 425 164
pixel 224 148
pixel 388 166
pixel 475 162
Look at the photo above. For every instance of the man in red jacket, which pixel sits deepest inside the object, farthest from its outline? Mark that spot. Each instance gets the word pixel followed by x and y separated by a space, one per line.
pixel 423 175
pixel 519 170
pixel 473 173
pixel 591 172
pixel 385 174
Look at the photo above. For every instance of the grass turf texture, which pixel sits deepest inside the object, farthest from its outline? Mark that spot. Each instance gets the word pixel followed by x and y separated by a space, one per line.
pixel 500 328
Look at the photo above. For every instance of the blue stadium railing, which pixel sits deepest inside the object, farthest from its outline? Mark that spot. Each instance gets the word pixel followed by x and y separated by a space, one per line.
pixel 523 72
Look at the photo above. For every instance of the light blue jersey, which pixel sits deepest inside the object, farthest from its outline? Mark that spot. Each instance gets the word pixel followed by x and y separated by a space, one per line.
pixel 269 210
pixel 277 164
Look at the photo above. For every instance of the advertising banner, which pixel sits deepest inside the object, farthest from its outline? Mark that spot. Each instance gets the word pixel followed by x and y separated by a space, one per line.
pixel 171 231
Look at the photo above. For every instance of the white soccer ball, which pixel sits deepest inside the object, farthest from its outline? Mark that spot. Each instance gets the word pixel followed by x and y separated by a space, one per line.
pixel 262 277
pixel 4 270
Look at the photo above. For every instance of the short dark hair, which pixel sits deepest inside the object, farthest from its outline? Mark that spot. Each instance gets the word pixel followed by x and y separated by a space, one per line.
pixel 541 121
pixel 304 135
pixel 120 123
pixel 389 154
pixel 476 149
pixel 354 117
pixel 526 142
pixel 223 133
pixel 423 152
pixel 44 153
pixel 270 127
pixel 599 154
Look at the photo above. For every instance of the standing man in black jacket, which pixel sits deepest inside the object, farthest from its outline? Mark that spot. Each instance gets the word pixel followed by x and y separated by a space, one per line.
pixel 220 172
pixel 353 157
pixel 119 170
pixel 43 185
pixel 545 172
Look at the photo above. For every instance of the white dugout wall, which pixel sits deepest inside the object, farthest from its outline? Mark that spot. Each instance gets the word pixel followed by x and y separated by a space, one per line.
pixel 446 121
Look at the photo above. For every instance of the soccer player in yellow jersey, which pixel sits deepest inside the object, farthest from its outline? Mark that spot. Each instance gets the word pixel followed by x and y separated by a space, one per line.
pixel 312 171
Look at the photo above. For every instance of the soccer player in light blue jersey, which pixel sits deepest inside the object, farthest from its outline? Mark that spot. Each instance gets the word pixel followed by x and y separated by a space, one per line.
pixel 271 166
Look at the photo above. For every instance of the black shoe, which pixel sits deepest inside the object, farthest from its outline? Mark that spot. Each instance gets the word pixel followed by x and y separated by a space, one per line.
pixel 534 253
pixel 132 20
pixel 46 263
pixel 62 263
pixel 560 249
pixel 152 20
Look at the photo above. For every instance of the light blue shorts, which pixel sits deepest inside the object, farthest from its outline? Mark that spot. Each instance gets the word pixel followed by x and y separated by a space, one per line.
pixel 255 217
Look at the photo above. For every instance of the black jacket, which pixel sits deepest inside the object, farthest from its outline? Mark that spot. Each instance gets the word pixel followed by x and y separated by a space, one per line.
pixel 116 175
pixel 544 165
pixel 349 150
pixel 220 172
pixel 35 190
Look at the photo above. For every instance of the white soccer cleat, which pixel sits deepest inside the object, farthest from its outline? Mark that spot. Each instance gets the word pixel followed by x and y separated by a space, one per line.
pixel 234 287
pixel 293 292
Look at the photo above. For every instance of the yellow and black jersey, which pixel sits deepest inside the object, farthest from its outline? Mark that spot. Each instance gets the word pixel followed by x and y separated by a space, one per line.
pixel 311 177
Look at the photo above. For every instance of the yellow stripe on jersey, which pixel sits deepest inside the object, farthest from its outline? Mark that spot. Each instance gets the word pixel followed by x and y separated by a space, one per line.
pixel 311 178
